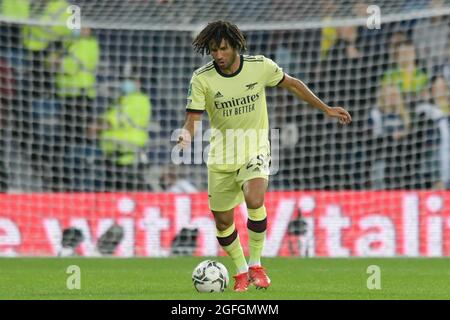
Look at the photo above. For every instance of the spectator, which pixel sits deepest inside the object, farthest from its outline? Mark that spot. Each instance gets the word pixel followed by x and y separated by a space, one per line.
pixel 37 39
pixel 75 76
pixel 438 110
pixel 390 124
pixel 344 80
pixel 407 75
pixel 122 134
pixel 343 73
pixel 413 84
pixel 398 37
pixel 76 81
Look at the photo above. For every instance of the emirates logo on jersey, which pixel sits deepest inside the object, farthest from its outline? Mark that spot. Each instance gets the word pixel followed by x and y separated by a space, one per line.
pixel 235 102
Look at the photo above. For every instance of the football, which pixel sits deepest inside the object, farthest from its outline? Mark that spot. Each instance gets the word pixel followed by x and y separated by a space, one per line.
pixel 210 276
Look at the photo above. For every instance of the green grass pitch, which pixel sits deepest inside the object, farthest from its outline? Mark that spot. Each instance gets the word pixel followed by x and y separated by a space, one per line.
pixel 170 278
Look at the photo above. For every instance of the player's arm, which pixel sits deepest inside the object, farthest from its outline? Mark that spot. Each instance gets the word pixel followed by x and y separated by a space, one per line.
pixel 194 110
pixel 189 128
pixel 300 90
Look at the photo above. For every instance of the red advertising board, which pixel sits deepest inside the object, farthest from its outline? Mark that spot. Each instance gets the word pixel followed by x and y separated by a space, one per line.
pixel 339 224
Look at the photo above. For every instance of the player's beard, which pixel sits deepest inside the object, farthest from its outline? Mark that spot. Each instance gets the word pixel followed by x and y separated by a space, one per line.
pixel 233 60
pixel 224 65
pixel 227 66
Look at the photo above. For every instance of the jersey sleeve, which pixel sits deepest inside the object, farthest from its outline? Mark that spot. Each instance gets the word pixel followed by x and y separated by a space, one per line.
pixel 196 96
pixel 273 73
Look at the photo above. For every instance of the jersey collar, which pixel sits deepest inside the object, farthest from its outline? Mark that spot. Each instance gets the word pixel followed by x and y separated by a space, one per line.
pixel 231 74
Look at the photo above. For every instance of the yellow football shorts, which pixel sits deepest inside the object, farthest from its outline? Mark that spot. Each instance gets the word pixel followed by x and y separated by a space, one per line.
pixel 225 188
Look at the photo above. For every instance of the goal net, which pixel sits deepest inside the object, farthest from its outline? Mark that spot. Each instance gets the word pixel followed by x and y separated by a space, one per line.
pixel 88 119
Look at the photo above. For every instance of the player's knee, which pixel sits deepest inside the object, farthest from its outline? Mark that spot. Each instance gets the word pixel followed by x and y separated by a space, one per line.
pixel 255 202
pixel 223 225
pixel 223 219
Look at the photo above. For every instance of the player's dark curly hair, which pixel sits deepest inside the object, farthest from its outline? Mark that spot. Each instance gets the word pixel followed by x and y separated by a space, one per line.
pixel 216 31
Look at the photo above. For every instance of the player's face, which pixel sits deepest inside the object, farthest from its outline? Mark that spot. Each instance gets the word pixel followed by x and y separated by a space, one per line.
pixel 223 54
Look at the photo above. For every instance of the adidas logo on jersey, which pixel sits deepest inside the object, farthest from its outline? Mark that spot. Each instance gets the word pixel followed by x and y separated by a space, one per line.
pixel 218 95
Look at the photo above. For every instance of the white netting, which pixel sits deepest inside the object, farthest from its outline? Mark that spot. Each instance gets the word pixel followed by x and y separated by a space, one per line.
pixel 51 141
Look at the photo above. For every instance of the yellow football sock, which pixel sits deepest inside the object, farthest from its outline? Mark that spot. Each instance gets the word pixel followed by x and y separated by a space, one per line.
pixel 257 225
pixel 229 240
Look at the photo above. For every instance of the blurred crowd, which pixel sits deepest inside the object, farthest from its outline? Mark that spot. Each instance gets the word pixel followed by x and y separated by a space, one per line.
pixel 394 80
pixel 93 109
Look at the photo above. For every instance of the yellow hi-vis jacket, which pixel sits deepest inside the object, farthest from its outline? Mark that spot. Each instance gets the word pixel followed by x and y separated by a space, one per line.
pixel 16 9
pixel 38 37
pixel 127 134
pixel 77 74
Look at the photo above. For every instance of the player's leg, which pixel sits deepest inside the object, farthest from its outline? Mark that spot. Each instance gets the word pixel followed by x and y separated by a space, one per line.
pixel 253 177
pixel 254 192
pixel 228 238
pixel 223 195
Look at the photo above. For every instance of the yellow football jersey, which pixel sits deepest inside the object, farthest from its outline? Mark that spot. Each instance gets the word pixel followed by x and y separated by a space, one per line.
pixel 237 109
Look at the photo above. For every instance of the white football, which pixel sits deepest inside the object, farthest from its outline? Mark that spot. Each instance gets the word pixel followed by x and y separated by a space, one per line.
pixel 210 276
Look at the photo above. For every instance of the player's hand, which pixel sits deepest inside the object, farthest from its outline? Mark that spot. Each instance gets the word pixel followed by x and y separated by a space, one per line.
pixel 340 113
pixel 184 140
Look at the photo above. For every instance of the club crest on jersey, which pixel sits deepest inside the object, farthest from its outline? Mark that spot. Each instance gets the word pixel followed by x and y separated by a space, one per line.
pixel 250 86
pixel 218 95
